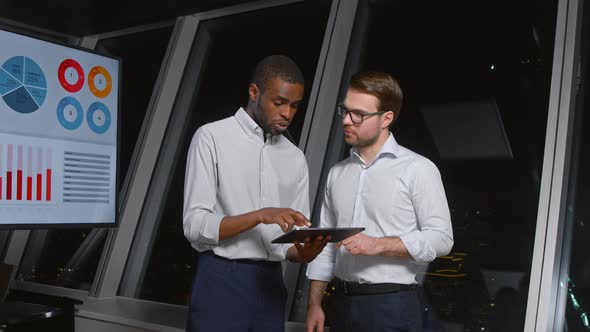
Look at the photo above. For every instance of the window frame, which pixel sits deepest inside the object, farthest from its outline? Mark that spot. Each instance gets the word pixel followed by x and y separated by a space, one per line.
pixel 544 304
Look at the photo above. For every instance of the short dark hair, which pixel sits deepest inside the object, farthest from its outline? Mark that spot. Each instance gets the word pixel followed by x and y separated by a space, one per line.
pixel 276 66
pixel 381 85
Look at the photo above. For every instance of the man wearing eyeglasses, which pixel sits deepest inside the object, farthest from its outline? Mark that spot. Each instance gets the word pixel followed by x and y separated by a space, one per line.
pixel 398 196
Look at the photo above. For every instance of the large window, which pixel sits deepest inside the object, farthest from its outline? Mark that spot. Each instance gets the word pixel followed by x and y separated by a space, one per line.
pixel 458 62
pixel 230 47
pixel 69 258
pixel 575 268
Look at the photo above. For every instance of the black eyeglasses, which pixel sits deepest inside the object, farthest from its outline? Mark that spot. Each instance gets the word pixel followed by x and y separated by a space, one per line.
pixel 355 117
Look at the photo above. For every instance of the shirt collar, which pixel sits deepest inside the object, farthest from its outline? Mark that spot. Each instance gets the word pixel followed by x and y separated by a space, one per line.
pixel 389 148
pixel 250 127
pixel 247 123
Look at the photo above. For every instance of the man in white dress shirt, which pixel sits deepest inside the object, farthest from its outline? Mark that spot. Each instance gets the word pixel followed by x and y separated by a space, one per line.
pixel 245 185
pixel 398 196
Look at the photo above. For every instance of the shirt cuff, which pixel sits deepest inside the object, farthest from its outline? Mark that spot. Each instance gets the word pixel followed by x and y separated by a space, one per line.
pixel 322 271
pixel 417 247
pixel 276 252
pixel 285 248
pixel 210 230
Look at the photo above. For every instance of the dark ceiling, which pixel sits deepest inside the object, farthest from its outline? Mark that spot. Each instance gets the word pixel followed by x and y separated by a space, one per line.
pixel 86 17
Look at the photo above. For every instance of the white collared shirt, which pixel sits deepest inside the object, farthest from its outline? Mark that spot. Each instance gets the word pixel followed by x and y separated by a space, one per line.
pixel 400 195
pixel 231 170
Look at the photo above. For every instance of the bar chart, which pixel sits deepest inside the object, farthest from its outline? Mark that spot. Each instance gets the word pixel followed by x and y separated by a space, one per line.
pixel 26 173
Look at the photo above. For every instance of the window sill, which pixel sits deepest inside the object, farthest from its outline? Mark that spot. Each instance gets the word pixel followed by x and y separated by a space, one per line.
pixel 145 314
pixel 134 312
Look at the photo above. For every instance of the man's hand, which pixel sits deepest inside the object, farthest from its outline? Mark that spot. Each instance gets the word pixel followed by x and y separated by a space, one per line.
pixel 359 244
pixel 309 250
pixel 284 217
pixel 315 319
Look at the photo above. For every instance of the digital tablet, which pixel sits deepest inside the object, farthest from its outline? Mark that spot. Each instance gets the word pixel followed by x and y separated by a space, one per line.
pixel 299 235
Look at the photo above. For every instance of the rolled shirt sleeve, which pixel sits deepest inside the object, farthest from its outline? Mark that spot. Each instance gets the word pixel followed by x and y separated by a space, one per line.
pixel 434 236
pixel 200 221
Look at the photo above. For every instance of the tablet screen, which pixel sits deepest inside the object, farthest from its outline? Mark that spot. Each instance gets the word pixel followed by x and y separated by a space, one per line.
pixel 299 235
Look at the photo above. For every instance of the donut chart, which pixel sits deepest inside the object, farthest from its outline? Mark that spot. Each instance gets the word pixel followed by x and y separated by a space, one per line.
pixel 98 117
pixel 70 75
pixel 69 113
pixel 22 84
pixel 100 82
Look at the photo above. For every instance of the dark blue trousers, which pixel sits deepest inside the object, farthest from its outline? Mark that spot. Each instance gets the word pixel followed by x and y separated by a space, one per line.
pixel 237 296
pixel 390 312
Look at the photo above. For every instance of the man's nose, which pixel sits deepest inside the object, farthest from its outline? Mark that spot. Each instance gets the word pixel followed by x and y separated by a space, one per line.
pixel 287 111
pixel 347 119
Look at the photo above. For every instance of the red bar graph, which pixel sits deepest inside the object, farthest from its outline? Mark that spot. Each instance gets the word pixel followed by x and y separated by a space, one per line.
pixel 9 173
pixel 39 186
pixel 48 184
pixel 48 176
pixel 39 173
pixel 8 185
pixel 24 174
pixel 29 173
pixel 29 188
pixel 19 185
pixel 19 173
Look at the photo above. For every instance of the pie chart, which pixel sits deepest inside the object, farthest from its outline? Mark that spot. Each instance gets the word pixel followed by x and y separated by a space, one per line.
pixel 70 75
pixel 100 82
pixel 99 117
pixel 22 84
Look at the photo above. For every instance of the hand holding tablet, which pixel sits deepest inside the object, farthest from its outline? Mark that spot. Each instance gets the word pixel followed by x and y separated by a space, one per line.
pixel 336 234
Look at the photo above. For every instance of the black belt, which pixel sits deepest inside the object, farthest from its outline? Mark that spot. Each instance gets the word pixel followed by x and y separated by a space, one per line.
pixel 242 260
pixel 355 288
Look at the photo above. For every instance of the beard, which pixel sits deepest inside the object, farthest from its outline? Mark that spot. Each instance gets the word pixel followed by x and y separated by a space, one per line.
pixel 357 141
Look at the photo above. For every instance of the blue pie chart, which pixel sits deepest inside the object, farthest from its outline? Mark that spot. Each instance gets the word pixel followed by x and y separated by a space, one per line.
pixel 69 113
pixel 98 117
pixel 22 84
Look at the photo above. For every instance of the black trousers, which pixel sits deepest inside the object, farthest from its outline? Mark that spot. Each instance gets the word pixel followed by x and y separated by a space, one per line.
pixel 400 311
pixel 237 296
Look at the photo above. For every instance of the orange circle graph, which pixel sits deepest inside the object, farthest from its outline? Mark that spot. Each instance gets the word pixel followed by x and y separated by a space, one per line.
pixel 108 83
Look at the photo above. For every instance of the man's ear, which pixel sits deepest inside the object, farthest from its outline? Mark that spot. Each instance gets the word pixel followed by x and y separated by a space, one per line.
pixel 253 92
pixel 387 119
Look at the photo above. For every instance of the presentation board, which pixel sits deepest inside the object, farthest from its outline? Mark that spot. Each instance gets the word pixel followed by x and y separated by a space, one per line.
pixel 58 134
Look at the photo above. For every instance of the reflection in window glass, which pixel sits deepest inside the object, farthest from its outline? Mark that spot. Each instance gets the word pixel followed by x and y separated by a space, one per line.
pixel 4 239
pixel 142 53
pixel 69 257
pixel 577 235
pixel 458 62
pixel 237 43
